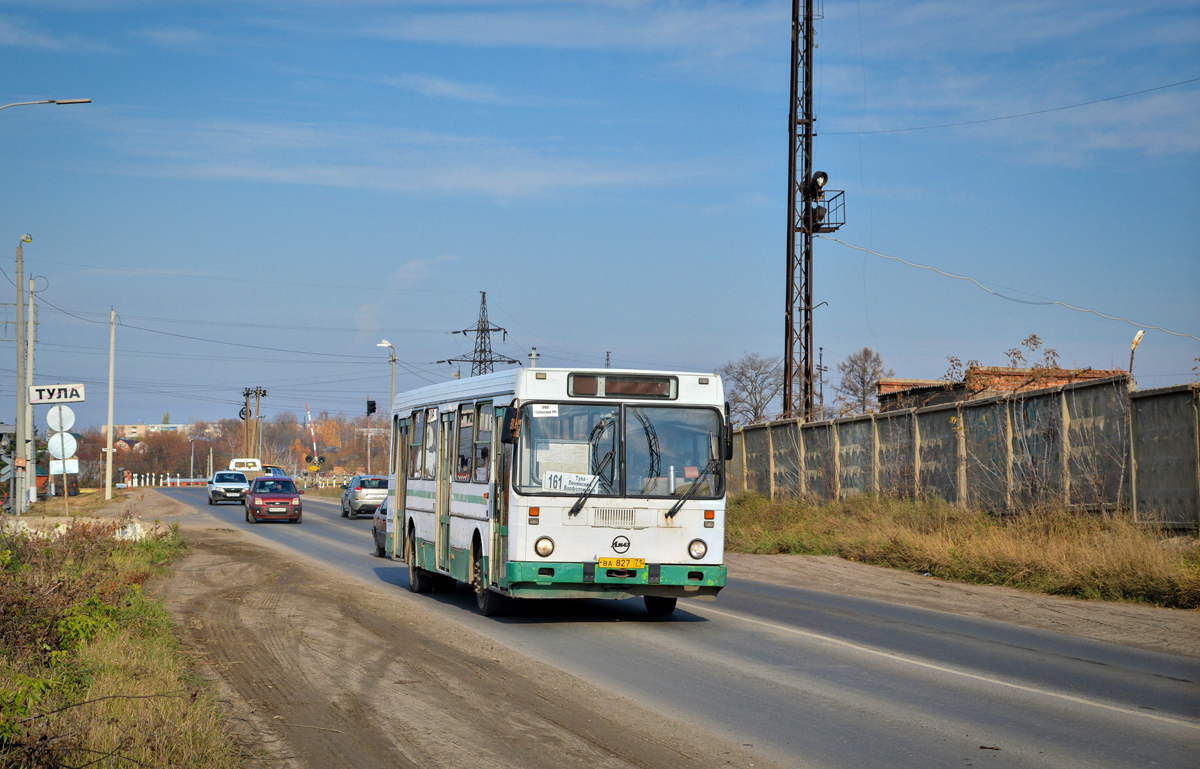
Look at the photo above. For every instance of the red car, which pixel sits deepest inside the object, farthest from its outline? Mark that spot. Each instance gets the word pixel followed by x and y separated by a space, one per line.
pixel 272 498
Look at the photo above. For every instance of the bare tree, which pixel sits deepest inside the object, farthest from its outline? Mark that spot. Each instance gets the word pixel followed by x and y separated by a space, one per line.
pixel 859 386
pixel 752 383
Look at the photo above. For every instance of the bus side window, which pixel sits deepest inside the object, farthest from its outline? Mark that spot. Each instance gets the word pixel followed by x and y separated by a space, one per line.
pixel 400 430
pixel 485 419
pixel 431 443
pixel 466 436
pixel 416 440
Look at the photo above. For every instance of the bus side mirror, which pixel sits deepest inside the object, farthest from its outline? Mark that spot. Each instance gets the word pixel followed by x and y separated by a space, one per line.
pixel 510 428
pixel 728 434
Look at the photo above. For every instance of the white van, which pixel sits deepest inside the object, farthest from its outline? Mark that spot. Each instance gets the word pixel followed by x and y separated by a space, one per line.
pixel 246 465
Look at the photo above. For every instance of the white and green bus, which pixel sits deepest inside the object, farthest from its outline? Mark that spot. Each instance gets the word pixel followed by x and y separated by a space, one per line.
pixel 562 483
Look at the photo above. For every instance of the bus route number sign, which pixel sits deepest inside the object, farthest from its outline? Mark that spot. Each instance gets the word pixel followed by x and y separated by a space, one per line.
pixel 568 483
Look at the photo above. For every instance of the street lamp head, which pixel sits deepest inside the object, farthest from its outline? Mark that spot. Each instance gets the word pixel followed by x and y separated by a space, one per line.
pixel 1137 339
pixel 72 101
pixel 26 238
pixel 384 343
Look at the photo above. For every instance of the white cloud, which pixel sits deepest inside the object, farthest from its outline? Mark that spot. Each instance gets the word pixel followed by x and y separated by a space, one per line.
pixel 179 38
pixel 415 271
pixel 427 85
pixel 17 35
pixel 367 157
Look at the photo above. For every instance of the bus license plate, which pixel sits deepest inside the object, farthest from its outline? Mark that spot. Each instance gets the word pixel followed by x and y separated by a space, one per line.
pixel 622 563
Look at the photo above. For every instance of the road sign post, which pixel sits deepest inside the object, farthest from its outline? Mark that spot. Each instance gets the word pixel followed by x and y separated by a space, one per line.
pixel 62 444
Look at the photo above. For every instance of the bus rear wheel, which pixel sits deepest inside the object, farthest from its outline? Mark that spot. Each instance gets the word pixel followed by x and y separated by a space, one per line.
pixel 490 603
pixel 659 606
pixel 419 580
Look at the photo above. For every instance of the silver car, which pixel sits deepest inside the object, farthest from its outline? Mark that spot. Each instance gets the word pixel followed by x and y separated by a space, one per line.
pixel 227 486
pixel 362 494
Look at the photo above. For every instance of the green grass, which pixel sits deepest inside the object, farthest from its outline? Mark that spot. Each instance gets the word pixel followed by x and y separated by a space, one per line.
pixel 1049 551
pixel 91 671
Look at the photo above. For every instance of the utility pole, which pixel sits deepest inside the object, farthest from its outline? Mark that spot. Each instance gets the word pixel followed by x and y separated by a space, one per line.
pixel 30 440
pixel 811 209
pixel 533 358
pixel 607 359
pixel 112 357
pixel 22 451
pixel 252 435
pixel 245 414
pixel 821 377
pixel 483 360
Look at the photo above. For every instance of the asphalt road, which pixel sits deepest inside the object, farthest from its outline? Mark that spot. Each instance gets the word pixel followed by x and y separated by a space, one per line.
pixel 822 680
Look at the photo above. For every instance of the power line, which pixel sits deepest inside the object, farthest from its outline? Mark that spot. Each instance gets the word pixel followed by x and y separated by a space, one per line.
pixel 1009 298
pixel 227 279
pixel 233 324
pixel 1012 117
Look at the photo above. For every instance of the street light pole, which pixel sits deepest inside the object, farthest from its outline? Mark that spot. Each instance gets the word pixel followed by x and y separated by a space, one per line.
pixel 19 503
pixel 192 466
pixel 392 400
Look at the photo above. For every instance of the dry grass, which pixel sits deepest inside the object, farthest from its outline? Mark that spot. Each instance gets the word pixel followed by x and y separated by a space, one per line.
pixel 330 492
pixel 91 672
pixel 1049 551
pixel 88 503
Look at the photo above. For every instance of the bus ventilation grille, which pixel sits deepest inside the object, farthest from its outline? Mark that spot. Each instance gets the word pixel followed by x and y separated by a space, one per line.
pixel 614 517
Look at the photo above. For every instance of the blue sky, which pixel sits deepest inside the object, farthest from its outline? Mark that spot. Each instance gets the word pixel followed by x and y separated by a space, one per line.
pixel 311 177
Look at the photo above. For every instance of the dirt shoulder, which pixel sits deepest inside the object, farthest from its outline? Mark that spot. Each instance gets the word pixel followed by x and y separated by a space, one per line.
pixel 318 670
pixel 1174 631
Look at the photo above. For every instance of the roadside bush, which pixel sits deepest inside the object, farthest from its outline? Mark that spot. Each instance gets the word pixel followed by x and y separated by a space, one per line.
pixel 1047 550
pixel 91 672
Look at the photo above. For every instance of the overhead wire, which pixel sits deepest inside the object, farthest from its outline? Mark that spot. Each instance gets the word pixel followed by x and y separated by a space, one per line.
pixel 1009 298
pixel 1012 117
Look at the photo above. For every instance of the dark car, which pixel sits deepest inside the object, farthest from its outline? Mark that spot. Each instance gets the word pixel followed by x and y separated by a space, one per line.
pixel 362 494
pixel 379 529
pixel 273 499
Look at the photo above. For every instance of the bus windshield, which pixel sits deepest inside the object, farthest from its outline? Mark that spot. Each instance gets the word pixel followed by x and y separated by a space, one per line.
pixel 572 449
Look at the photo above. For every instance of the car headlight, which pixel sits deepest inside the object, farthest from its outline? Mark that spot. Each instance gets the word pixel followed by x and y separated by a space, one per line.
pixel 544 546
pixel 697 549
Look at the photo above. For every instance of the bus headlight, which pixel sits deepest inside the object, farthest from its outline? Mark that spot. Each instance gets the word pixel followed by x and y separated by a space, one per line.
pixel 544 546
pixel 697 549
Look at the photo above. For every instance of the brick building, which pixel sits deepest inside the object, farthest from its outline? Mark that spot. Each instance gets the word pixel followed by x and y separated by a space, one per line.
pixel 979 382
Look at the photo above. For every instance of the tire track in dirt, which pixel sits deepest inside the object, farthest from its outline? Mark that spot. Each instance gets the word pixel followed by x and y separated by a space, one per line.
pixel 320 672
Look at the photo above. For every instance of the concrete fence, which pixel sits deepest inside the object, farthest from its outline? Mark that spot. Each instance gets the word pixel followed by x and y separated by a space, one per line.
pixel 1096 445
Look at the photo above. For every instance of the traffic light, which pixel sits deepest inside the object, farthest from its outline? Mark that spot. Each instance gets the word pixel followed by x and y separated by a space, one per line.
pixel 816 184
pixel 370 407
pixel 320 460
pixel 308 458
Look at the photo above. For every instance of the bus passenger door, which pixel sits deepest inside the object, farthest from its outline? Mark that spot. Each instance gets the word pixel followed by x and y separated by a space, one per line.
pixel 502 454
pixel 399 503
pixel 445 469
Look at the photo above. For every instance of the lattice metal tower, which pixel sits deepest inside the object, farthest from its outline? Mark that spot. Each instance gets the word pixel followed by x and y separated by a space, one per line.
pixel 811 209
pixel 483 359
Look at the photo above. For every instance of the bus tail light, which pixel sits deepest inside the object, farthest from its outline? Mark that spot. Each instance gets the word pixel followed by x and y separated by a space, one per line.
pixel 697 549
pixel 534 513
pixel 710 518
pixel 544 546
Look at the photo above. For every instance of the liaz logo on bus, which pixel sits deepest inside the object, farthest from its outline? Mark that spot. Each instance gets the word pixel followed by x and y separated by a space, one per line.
pixel 620 544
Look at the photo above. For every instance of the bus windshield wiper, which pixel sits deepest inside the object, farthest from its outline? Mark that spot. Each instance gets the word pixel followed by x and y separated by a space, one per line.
pixel 712 465
pixel 591 489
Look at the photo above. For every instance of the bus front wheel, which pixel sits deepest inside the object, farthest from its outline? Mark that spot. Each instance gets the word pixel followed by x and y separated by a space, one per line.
pixel 659 606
